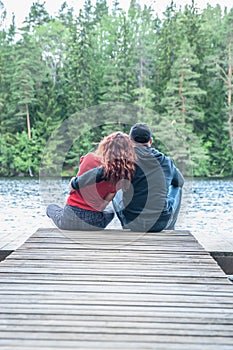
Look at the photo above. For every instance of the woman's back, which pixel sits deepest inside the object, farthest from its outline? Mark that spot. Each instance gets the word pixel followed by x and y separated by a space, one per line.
pixel 92 197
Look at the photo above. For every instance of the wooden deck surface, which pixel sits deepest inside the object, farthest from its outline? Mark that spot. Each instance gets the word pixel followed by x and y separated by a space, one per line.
pixel 114 290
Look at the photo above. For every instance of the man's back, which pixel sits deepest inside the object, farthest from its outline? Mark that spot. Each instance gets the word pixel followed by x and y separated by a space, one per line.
pixel 147 199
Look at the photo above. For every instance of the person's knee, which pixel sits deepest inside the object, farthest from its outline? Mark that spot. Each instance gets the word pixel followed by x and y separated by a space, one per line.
pixel 48 210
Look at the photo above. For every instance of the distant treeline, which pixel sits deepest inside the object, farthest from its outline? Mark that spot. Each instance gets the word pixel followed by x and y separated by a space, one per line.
pixel 177 71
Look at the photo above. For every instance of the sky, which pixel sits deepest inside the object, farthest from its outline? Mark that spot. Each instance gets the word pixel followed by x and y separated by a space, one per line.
pixel 21 8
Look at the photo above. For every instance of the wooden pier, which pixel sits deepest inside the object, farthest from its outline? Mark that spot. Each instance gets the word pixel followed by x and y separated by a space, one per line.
pixel 114 290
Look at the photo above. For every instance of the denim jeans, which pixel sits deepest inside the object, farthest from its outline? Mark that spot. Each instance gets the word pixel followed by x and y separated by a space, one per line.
pixel 73 218
pixel 174 197
pixel 165 221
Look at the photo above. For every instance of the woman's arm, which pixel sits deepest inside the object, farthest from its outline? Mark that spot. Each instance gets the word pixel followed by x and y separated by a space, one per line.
pixel 88 178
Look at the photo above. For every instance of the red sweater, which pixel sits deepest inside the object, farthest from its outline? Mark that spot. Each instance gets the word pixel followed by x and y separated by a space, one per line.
pixel 91 197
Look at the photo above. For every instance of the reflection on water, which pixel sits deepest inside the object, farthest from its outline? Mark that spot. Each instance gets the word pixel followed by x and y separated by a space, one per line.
pixel 207 204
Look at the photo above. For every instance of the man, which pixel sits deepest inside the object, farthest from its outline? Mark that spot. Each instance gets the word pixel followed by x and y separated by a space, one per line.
pixel 153 201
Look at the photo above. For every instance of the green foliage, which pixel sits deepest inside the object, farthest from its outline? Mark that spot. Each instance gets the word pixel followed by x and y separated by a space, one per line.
pixel 52 37
pixel 176 72
pixel 19 155
pixel 37 16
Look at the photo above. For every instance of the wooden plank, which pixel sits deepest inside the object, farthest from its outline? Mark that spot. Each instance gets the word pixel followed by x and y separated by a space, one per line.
pixel 163 320
pixel 156 301
pixel 172 271
pixel 104 344
pixel 115 289
pixel 143 338
pixel 142 324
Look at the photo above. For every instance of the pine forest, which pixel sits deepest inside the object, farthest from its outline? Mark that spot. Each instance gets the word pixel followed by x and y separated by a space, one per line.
pixel 175 73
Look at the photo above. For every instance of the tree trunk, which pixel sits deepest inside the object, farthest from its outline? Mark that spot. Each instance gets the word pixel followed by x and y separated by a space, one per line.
pixel 229 99
pixel 28 122
pixel 182 97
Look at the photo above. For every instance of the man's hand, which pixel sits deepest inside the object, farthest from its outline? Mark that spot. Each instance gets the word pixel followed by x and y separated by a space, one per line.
pixel 71 188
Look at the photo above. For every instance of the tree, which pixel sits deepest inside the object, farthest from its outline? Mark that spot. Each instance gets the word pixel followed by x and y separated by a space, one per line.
pixel 47 110
pixel 181 103
pixel 37 16
pixel 52 38
pixel 216 77
pixel 224 70
pixel 118 73
pixel 169 38
pixel 100 11
pixel 24 80
pixel 2 54
pixel 80 72
pixel 66 15
pixel 80 65
pixel 143 31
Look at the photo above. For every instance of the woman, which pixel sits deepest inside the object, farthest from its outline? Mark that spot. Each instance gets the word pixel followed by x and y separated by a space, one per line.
pixel 85 209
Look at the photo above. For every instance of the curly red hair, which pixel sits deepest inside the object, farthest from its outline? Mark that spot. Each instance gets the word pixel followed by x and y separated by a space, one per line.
pixel 118 158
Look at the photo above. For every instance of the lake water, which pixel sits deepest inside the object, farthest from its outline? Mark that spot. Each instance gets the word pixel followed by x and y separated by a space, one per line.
pixel 207 206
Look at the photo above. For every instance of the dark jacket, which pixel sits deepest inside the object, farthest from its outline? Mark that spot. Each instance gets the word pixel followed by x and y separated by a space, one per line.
pixel 155 172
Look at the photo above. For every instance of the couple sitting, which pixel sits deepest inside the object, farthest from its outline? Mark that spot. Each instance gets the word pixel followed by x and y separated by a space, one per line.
pixel 142 183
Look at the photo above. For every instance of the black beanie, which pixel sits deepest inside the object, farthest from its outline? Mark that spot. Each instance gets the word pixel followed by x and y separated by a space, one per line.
pixel 140 133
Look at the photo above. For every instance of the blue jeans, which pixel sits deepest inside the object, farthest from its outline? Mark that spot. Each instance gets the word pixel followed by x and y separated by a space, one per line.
pixel 164 222
pixel 174 197
pixel 73 218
